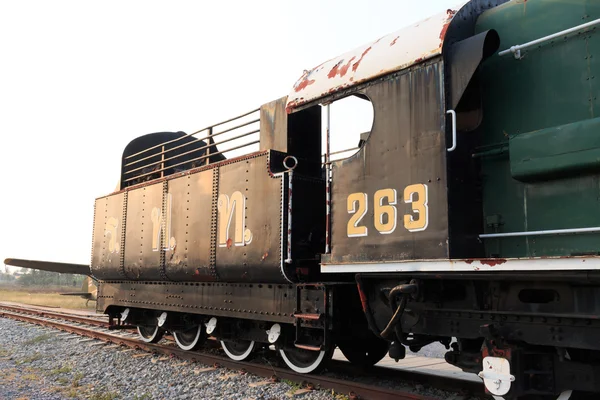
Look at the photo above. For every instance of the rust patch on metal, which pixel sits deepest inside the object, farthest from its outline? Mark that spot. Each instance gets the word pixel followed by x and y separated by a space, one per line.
pixel 492 262
pixel 305 82
pixel 356 64
pixel 394 41
pixel 336 70
pixel 363 299
pixel 450 14
pixel 229 243
pixel 264 256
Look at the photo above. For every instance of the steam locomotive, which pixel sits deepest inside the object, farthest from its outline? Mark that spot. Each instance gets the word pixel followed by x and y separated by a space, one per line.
pixel 467 216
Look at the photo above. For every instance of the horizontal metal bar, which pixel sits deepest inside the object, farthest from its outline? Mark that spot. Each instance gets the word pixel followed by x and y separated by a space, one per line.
pixel 193 151
pixel 192 134
pixel 192 160
pixel 470 265
pixel 492 152
pixel 341 151
pixel 211 135
pixel 540 233
pixel 518 48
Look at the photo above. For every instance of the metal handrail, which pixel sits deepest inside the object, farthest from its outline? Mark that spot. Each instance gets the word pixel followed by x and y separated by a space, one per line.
pixel 516 50
pixel 190 161
pixel 340 152
pixel 188 143
pixel 540 233
pixel 189 152
pixel 191 134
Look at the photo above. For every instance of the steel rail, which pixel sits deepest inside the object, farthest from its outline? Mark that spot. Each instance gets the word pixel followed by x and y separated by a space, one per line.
pixel 56 314
pixel 353 389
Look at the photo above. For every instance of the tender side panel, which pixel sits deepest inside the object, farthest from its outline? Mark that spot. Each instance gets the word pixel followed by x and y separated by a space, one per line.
pixel 248 245
pixel 188 227
pixel 389 201
pixel 108 237
pixel 249 301
pixel 143 239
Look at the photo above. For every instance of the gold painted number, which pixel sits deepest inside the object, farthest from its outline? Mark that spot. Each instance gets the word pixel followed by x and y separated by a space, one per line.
pixel 357 205
pixel 385 212
pixel 419 206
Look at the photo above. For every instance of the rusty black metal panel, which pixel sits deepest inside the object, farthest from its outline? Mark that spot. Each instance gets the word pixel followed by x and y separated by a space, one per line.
pixel 265 302
pixel 188 225
pixel 249 222
pixel 143 233
pixel 107 237
pixel 389 201
pixel 273 126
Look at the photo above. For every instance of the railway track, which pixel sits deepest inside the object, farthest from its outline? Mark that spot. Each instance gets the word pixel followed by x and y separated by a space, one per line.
pixel 97 328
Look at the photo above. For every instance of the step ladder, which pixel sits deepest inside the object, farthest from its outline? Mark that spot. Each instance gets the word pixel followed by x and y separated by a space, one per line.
pixel 312 307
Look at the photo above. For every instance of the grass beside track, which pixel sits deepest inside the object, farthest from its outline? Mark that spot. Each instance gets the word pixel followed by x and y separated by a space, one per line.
pixel 35 297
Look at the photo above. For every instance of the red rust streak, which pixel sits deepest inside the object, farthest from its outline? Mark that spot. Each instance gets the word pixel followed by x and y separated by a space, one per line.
pixel 487 261
pixel 229 243
pixel 302 85
pixel 363 299
pixel 356 64
pixel 336 70
pixel 493 261
pixel 394 41
pixel 451 14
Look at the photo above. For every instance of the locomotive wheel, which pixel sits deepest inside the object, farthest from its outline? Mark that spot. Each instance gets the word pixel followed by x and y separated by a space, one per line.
pixel 238 350
pixel 150 334
pixel 366 352
pixel 306 361
pixel 190 339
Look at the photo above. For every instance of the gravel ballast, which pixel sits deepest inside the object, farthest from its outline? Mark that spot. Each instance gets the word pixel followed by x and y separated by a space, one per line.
pixel 47 364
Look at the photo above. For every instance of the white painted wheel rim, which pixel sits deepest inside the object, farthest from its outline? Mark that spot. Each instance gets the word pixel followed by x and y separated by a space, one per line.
pixel 303 370
pixel 149 339
pixel 192 344
pixel 238 357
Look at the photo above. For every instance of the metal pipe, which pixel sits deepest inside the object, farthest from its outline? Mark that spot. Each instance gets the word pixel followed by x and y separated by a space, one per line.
pixel 290 172
pixel 492 152
pixel 288 260
pixel 516 50
pixel 540 233
pixel 210 135
pixel 192 160
pixel 453 114
pixel 327 186
pixel 207 146
pixel 192 134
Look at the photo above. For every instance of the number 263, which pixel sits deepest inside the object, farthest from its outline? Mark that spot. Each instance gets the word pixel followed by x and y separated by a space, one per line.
pixel 385 201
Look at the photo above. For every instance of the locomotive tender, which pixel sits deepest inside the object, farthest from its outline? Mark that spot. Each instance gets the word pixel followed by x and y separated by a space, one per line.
pixel 468 212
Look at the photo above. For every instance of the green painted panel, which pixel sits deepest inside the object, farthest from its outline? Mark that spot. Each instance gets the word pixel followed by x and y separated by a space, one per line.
pixel 544 106
pixel 556 152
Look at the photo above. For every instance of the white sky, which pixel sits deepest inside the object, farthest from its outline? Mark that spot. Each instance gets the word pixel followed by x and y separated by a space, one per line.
pixel 80 79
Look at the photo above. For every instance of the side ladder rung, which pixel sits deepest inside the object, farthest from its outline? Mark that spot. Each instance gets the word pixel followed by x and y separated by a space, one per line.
pixel 315 317
pixel 308 347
